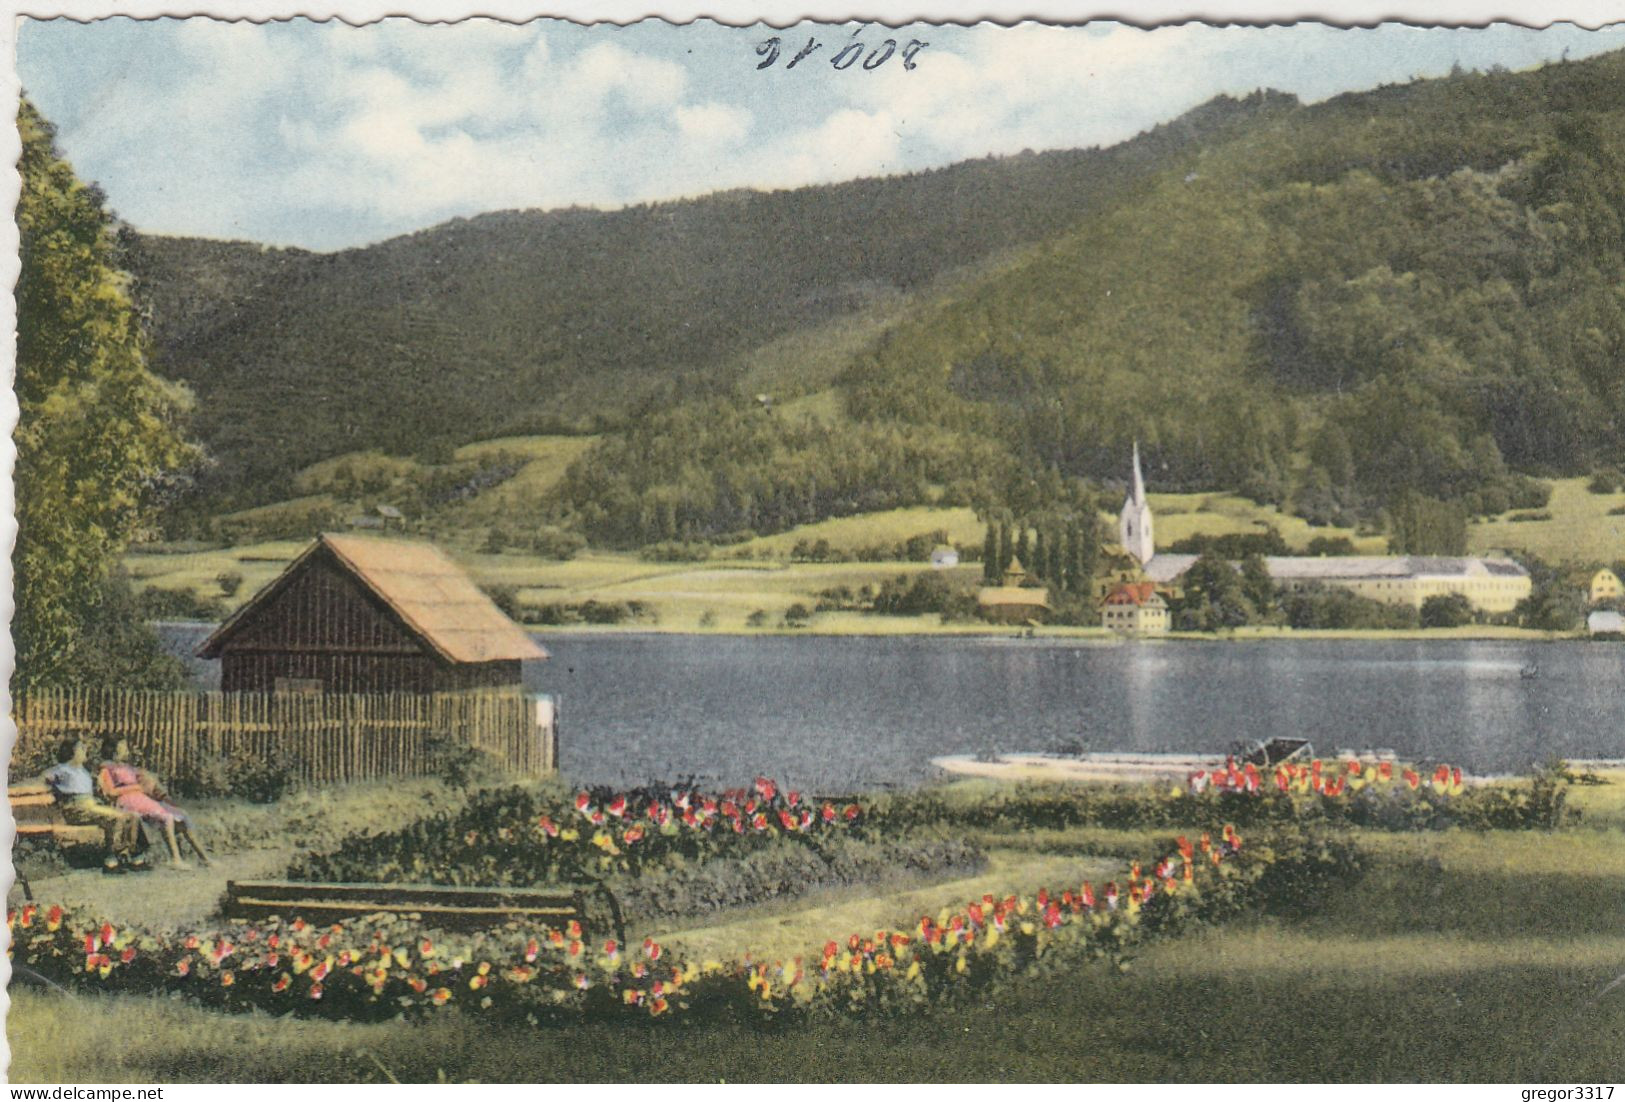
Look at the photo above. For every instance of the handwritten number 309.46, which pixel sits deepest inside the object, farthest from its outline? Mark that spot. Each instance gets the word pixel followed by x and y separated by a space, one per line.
pixel 845 57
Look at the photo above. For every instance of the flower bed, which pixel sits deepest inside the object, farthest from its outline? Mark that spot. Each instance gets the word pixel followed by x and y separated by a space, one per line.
pixel 1349 793
pixel 665 851
pixel 519 837
pixel 381 967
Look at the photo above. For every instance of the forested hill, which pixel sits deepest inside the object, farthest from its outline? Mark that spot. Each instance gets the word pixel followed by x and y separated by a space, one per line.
pixel 1413 289
pixel 524 321
pixel 1419 288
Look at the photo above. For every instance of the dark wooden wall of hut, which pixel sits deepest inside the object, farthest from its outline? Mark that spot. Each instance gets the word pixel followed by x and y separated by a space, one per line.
pixel 326 627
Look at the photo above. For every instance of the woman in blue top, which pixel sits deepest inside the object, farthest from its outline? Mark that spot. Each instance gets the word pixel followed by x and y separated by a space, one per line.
pixel 70 782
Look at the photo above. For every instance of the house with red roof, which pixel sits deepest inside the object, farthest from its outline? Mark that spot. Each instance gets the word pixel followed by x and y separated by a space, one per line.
pixel 1135 608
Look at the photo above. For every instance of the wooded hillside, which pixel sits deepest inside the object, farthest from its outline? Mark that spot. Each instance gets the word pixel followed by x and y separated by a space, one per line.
pixel 1414 290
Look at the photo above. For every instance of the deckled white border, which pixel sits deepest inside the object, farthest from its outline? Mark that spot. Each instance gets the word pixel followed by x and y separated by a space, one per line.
pixel 1589 14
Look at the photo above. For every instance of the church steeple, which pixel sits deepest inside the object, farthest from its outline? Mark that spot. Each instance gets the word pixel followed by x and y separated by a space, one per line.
pixel 1139 480
pixel 1134 522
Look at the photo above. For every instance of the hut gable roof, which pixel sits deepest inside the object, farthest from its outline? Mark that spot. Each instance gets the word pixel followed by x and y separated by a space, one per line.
pixel 430 594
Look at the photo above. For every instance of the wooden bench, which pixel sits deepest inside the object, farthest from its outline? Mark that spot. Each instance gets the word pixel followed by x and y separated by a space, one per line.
pixel 38 816
pixel 456 908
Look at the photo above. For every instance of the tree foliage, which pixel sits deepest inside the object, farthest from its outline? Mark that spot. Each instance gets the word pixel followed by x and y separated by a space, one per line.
pixel 97 431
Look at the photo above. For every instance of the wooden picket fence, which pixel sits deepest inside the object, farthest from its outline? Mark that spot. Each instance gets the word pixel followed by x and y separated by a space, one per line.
pixel 322 738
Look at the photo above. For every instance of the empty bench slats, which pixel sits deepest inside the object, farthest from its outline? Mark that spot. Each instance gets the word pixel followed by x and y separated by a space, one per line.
pixel 403 893
pixel 259 899
pixel 274 906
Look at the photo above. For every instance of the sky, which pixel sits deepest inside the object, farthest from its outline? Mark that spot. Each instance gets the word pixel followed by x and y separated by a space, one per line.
pixel 327 136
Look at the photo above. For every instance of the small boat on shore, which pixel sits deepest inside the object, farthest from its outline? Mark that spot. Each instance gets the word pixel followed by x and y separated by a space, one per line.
pixel 1268 753
pixel 1108 766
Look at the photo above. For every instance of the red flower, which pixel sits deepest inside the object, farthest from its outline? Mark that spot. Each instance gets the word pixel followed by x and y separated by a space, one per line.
pixel 793 798
pixel 828 813
pixel 617 806
pixel 766 788
pixel 1412 779
pixel 634 834
pixel 852 812
pixel 582 800
pixel 786 819
pixel 549 827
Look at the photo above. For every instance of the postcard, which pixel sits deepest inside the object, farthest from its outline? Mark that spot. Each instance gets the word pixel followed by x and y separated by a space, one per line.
pixel 675 552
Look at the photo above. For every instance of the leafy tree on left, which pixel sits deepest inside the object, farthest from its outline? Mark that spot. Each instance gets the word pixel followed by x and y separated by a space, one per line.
pixel 96 432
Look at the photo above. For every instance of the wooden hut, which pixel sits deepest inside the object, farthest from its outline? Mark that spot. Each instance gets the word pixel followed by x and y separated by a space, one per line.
pixel 354 614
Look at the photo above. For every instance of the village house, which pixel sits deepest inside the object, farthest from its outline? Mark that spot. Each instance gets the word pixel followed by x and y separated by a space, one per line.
pixel 1491 584
pixel 1135 608
pixel 1013 602
pixel 1604 586
pixel 353 614
pixel 944 557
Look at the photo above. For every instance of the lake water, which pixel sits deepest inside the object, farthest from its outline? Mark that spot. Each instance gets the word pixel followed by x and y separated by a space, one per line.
pixel 832 713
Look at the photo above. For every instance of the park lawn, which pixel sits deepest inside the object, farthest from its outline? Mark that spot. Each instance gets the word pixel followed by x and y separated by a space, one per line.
pixel 1460 957
pixel 1580 531
pixel 800 927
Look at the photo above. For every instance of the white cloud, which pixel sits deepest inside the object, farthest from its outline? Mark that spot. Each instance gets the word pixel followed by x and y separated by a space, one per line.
pixel 712 124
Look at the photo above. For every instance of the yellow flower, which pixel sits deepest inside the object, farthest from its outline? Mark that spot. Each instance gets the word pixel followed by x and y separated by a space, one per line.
pixel 913 972
pixel 991 937
pixel 959 965
pixel 1028 928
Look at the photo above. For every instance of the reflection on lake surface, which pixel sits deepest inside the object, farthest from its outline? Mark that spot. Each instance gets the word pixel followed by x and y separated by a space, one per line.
pixel 832 713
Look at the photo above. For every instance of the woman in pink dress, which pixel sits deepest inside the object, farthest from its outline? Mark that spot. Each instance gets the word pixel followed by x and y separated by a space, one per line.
pixel 138 792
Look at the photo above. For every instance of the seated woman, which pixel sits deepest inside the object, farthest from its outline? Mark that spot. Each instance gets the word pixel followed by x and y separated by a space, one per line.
pixel 69 781
pixel 138 792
